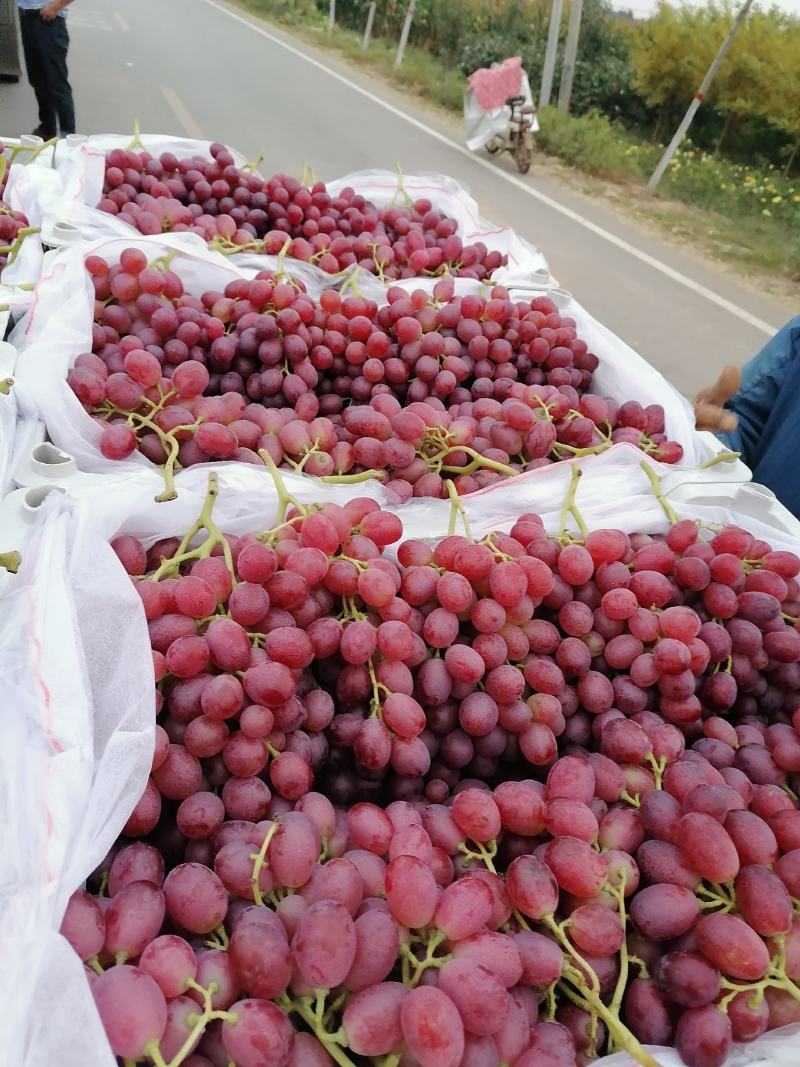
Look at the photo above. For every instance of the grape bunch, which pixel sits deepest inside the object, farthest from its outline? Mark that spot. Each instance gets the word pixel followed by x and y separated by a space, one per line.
pixel 4 158
pixel 14 228
pixel 14 225
pixel 235 210
pixel 422 390
pixel 475 803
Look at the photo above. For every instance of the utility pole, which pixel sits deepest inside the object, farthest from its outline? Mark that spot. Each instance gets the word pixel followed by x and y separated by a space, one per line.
pixel 331 16
pixel 550 55
pixel 401 48
pixel 368 28
pixel 570 52
pixel 698 98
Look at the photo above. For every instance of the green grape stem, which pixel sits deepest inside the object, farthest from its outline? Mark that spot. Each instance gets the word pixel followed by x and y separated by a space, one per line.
pixel 456 509
pixel 209 1014
pixel 658 766
pixel 260 861
pixel 136 142
pixel 285 498
pixel 12 250
pixel 576 974
pixel 569 507
pixel 214 538
pixel 618 891
pixel 315 1018
pixel 219 939
pixel 655 483
pixel 353 479
pixel 430 959
pixel 721 457
pixel 376 707
pixel 483 854
pixel 10 561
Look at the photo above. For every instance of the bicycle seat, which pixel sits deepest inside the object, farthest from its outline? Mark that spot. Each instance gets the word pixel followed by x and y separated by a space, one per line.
pixel 515 101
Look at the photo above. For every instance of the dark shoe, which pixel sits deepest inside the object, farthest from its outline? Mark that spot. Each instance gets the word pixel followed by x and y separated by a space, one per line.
pixel 41 132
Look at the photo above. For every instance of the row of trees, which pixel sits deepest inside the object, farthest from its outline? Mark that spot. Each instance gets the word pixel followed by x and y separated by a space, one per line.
pixel 757 88
pixel 642 73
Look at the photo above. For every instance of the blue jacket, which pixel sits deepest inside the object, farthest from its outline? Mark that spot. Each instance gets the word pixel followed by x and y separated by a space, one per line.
pixel 768 406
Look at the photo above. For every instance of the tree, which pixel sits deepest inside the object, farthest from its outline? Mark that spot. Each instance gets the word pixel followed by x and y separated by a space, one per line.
pixel 671 52
pixel 784 98
pixel 746 82
pixel 602 68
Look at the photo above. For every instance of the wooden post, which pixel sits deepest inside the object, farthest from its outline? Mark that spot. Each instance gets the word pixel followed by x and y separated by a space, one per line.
pixel 331 16
pixel 570 54
pixel 550 55
pixel 401 48
pixel 368 29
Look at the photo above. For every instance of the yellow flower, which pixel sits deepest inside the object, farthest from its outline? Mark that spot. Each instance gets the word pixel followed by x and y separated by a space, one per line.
pixel 777 200
pixel 766 211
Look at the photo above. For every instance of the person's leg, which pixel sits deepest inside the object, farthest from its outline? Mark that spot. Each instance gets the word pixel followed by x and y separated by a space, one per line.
pixel 55 43
pixel 31 46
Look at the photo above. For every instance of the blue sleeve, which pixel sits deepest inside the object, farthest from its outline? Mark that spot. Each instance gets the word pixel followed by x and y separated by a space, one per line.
pixel 768 434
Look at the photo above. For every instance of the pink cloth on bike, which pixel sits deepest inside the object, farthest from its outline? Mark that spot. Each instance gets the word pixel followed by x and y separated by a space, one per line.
pixel 494 85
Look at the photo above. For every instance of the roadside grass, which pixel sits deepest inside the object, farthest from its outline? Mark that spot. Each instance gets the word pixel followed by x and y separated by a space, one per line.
pixel 750 215
pixel 421 73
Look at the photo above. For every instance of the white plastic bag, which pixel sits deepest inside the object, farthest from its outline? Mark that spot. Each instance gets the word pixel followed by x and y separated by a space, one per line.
pixel 69 547
pixel 58 328
pixel 18 426
pixel 622 374
pixel 614 490
pixel 72 189
pixel 78 721
pixel 453 199
pixel 481 126
pixel 27 265
pixel 778 1048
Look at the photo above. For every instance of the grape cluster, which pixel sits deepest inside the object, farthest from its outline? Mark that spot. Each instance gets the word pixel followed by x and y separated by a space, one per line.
pixel 423 389
pixel 14 225
pixel 503 802
pixel 4 155
pixel 234 210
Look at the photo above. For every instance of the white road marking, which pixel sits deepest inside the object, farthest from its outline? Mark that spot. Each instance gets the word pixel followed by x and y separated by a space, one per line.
pixel 574 216
pixel 123 22
pixel 89 20
pixel 182 114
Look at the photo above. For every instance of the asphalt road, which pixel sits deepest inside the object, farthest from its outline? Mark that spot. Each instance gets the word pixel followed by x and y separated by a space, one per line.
pixel 201 68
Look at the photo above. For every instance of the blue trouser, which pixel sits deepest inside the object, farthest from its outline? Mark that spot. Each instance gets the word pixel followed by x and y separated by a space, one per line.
pixel 45 45
pixel 768 434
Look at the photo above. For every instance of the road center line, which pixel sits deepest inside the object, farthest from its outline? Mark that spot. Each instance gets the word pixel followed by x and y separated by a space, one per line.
pixel 573 216
pixel 182 114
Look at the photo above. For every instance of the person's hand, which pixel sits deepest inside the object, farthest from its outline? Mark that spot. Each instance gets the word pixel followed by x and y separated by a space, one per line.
pixel 51 11
pixel 709 410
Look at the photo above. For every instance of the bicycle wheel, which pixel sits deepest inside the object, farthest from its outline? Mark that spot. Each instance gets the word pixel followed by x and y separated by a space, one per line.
pixel 523 153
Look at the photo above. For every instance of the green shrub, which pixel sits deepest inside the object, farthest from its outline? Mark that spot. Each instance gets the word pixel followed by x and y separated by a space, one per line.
pixel 485 50
pixel 591 143
pixel 292 12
